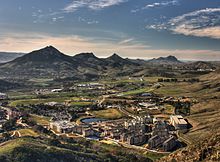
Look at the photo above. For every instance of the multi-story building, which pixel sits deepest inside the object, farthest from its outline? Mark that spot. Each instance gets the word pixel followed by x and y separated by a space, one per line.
pixel 62 126
pixel 154 142
pixel 178 122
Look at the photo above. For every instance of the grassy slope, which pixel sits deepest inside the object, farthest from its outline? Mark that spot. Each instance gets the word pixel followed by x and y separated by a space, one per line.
pixel 24 149
pixel 204 117
pixel 34 149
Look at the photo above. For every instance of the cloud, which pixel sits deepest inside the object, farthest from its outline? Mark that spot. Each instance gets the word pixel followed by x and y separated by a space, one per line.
pixel 73 44
pixel 157 26
pixel 200 23
pixel 156 5
pixel 161 4
pixel 126 41
pixel 70 44
pixel 91 4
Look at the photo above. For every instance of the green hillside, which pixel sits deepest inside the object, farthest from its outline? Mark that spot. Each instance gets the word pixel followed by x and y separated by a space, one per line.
pixel 47 150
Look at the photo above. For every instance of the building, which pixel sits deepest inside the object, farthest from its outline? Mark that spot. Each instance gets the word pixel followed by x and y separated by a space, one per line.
pixel 136 139
pixel 169 144
pixel 178 122
pixel 160 129
pixel 3 114
pixel 154 142
pixel 2 122
pixel 13 113
pixel 62 126
pixel 115 134
pixel 3 96
pixel 88 132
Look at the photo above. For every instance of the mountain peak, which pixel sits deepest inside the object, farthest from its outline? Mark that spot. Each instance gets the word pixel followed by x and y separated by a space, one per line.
pixel 115 57
pixel 171 58
pixel 49 50
pixel 167 60
pixel 47 54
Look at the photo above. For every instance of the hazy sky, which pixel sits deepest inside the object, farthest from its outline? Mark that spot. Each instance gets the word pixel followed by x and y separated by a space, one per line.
pixel 188 29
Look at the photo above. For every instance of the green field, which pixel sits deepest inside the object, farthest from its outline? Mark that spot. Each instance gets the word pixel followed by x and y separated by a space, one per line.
pixel 135 92
pixel 62 100
pixel 41 120
pixel 28 132
pixel 38 101
pixel 108 114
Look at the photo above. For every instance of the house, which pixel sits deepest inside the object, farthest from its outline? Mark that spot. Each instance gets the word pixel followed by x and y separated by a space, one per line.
pixel 178 122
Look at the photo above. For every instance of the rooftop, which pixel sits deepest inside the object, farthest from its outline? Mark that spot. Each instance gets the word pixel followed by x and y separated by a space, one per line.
pixel 178 119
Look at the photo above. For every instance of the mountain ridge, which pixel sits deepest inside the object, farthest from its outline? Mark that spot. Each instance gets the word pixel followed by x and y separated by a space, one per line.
pixel 49 62
pixel 9 56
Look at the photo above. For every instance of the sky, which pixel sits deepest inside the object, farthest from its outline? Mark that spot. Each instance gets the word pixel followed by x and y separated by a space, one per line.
pixel 188 29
